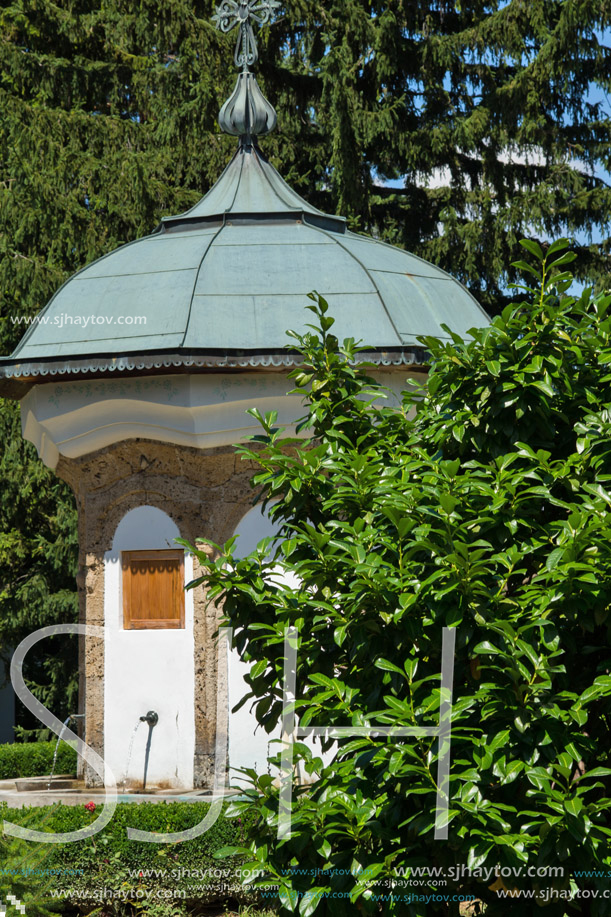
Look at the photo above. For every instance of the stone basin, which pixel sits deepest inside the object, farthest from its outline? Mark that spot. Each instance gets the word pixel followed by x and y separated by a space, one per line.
pixel 59 782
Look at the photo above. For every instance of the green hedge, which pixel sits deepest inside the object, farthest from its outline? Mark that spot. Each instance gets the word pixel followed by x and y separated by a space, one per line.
pixel 35 759
pixel 109 862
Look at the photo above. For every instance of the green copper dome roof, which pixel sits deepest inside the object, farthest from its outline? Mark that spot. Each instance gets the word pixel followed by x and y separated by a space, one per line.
pixel 229 277
pixel 220 285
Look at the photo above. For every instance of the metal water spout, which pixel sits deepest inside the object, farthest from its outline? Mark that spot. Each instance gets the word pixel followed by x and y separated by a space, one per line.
pixel 151 718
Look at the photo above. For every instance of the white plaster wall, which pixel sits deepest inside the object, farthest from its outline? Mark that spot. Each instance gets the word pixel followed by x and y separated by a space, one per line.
pixel 147 669
pixel 248 742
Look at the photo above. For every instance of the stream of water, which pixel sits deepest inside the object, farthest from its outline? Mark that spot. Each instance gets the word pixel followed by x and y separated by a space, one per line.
pixel 59 738
pixel 129 753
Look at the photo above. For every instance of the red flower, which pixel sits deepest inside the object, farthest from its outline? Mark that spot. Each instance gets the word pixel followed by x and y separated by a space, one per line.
pixel 90 806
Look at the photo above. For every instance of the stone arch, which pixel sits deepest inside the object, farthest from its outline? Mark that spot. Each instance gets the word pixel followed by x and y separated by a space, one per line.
pixel 129 505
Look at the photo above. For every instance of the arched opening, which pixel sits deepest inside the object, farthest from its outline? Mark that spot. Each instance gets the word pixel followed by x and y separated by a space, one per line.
pixel 248 745
pixel 149 664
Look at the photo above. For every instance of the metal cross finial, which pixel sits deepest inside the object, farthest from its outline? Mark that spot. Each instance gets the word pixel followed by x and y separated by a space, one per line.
pixel 230 13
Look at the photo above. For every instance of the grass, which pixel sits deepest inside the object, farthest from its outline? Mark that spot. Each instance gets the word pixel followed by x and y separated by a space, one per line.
pixel 244 912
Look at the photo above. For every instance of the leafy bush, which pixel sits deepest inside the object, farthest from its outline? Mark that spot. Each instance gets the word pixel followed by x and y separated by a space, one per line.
pixel 487 513
pixel 35 759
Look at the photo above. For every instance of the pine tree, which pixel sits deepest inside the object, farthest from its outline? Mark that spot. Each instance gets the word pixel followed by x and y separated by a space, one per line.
pixel 487 111
pixel 105 118
pixel 38 551
pixel 484 114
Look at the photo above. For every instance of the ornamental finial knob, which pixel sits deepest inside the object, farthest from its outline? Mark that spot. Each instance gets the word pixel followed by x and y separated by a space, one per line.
pixel 247 113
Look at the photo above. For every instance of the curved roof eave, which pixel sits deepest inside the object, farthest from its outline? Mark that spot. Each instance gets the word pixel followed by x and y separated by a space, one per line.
pixel 13 369
pixel 16 378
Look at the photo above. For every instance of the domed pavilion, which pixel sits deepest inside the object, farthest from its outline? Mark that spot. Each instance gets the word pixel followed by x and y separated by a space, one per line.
pixel 134 383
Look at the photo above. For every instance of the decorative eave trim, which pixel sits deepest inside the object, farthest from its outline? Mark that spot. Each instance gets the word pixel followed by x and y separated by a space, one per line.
pixel 26 371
